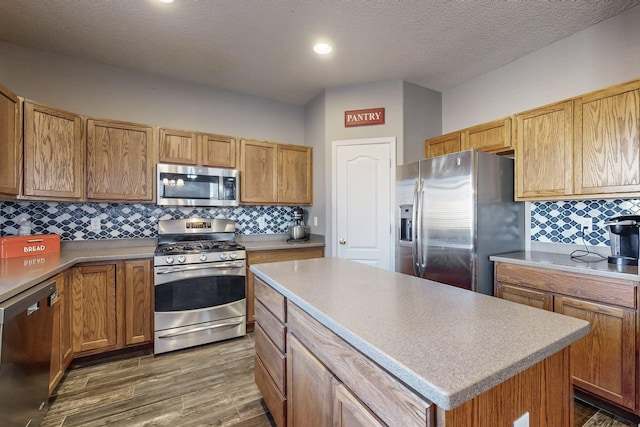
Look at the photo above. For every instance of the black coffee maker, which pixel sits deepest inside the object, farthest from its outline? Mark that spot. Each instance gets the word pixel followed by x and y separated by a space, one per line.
pixel 623 237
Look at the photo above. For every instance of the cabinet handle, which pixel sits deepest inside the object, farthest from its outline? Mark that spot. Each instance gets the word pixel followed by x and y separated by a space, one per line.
pixel 342 242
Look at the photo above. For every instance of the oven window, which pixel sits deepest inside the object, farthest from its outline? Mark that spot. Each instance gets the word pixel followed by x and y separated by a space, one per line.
pixel 186 186
pixel 199 292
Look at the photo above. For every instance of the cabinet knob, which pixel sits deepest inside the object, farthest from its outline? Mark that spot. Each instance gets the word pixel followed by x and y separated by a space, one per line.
pixel 342 242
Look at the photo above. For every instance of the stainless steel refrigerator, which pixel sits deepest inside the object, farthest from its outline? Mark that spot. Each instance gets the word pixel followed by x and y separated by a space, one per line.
pixel 455 211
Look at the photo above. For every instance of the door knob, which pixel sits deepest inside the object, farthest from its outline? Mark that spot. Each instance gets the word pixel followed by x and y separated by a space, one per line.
pixel 342 241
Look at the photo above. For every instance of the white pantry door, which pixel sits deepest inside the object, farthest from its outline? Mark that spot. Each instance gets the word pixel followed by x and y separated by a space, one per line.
pixel 364 172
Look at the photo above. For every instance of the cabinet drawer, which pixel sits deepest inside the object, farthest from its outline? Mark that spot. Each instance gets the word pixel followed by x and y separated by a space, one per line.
pixel 274 361
pixel 595 288
pixel 275 401
pixel 387 397
pixel 275 329
pixel 271 299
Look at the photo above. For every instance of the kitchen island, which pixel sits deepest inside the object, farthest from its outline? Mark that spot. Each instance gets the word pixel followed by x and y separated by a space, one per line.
pixel 406 350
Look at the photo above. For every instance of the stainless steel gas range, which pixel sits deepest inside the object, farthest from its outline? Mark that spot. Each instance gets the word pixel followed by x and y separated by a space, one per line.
pixel 199 283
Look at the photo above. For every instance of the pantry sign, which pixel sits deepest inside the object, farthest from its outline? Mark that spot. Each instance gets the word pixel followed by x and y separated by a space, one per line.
pixel 370 116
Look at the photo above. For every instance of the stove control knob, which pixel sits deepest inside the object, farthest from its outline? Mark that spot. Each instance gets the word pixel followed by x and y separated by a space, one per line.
pixel 181 259
pixel 203 257
pixel 233 256
pixel 223 256
pixel 169 260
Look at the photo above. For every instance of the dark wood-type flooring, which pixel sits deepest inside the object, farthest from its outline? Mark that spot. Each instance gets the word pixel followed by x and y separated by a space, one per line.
pixel 211 385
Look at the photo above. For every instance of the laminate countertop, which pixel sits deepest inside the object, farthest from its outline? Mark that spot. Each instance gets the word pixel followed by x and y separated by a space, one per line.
pixel 591 265
pixel 19 274
pixel 446 343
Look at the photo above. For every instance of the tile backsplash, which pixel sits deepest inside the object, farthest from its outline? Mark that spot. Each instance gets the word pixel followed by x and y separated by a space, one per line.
pixel 558 222
pixel 72 221
pixel 551 222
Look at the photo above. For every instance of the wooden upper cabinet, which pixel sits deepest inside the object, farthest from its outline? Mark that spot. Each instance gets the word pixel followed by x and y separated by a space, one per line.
pixel 544 152
pixel 273 173
pixel 10 142
pixel 120 161
pixel 295 174
pixel 258 172
pixel 218 151
pixel 53 153
pixel 178 146
pixel 606 140
pixel 441 145
pixel 492 137
pixel 199 149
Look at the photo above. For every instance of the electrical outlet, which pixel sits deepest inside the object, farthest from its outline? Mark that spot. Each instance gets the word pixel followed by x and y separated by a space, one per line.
pixel 315 221
pixel 95 224
pixel 523 421
pixel 586 224
pixel 261 222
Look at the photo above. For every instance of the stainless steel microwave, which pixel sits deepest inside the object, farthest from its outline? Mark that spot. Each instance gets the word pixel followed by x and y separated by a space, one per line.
pixel 184 185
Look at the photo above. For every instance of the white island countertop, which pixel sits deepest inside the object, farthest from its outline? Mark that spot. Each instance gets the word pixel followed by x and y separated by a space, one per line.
pixel 448 344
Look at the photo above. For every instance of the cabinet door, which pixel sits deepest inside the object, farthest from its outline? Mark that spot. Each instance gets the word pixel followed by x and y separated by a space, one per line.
pixel 348 411
pixel 258 257
pixel 218 151
pixel 309 388
pixel 138 311
pixel 61 352
pixel 54 153
pixel 544 152
pixel 258 172
pixel 603 362
pixel 93 292
pixel 607 145
pixel 178 146
pixel 524 296
pixel 295 175
pixel 119 161
pixel 10 142
pixel 492 137
pixel 441 145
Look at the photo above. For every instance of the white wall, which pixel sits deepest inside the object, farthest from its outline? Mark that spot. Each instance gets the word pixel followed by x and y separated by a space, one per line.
pixel 103 91
pixel 605 54
pixel 314 129
pixel 422 110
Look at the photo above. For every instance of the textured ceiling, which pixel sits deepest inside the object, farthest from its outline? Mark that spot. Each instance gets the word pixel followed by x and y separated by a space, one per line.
pixel 263 47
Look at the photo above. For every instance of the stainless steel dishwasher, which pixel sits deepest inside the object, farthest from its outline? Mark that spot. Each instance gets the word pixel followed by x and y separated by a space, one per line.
pixel 25 355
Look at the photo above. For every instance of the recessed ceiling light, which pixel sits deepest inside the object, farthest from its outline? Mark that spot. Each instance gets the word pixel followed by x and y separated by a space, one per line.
pixel 322 48
pixel 166 1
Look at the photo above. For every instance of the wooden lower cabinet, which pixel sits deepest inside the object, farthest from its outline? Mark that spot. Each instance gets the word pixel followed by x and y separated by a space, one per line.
pixel 61 351
pixel 604 364
pixel 330 383
pixel 259 257
pixel 111 306
pixel 309 387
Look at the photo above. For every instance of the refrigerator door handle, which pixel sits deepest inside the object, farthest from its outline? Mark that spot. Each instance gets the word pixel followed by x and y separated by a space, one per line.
pixel 420 254
pixel 414 231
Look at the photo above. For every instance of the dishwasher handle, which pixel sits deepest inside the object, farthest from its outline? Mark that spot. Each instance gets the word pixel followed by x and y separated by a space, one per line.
pixel 26 301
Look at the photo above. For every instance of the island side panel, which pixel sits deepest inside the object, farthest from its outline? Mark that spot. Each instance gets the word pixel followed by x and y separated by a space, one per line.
pixel 544 391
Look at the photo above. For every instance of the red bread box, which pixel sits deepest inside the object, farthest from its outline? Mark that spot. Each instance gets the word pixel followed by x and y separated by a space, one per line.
pixel 37 244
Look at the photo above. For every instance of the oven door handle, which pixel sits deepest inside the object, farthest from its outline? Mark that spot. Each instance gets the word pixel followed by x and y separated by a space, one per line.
pixel 218 266
pixel 202 328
